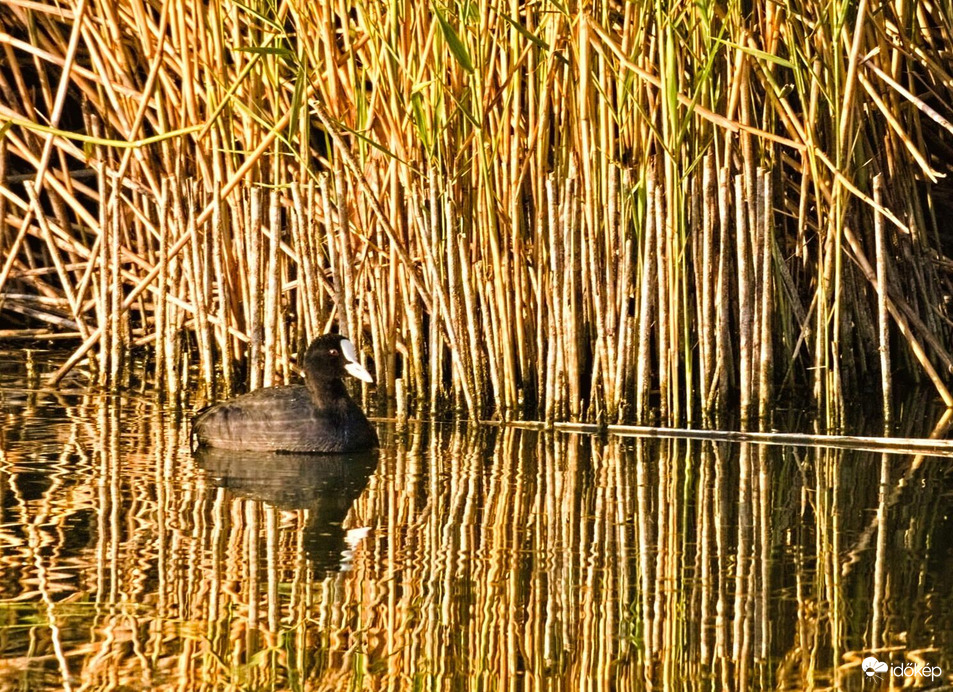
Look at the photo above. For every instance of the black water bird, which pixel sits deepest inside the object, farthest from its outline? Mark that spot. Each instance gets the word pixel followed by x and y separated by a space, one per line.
pixel 318 417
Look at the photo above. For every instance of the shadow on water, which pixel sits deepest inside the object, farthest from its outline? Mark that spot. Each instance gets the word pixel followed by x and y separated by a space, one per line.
pixel 494 557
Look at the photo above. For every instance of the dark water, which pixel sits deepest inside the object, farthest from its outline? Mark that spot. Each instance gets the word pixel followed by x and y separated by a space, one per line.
pixel 457 558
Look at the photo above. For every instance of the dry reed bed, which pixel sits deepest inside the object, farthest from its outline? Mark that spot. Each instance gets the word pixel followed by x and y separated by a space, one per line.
pixel 630 212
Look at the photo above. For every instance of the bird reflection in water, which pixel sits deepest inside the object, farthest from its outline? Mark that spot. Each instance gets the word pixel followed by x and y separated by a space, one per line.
pixel 324 484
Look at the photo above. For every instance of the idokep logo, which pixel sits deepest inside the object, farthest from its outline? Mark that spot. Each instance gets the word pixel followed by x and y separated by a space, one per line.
pixel 874 668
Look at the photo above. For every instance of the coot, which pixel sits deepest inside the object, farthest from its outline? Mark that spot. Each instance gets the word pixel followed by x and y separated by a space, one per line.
pixel 316 417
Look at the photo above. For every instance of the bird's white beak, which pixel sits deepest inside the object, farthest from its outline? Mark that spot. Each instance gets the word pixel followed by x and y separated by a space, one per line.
pixel 352 366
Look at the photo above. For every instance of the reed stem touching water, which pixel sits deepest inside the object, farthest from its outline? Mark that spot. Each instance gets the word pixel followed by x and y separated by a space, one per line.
pixel 607 214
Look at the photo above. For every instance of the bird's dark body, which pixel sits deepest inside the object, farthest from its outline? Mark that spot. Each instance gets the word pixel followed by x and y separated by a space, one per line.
pixel 319 417
pixel 284 419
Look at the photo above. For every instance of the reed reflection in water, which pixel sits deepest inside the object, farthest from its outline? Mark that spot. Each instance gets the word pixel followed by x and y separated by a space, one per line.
pixel 457 557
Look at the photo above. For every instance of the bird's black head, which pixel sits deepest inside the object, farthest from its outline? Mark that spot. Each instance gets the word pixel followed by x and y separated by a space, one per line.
pixel 330 357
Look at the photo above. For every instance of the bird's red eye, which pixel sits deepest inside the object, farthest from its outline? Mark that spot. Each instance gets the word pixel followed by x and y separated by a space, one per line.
pixel 334 352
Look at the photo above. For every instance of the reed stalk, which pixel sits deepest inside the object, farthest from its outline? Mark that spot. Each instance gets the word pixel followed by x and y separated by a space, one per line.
pixel 883 335
pixel 646 302
pixel 745 311
pixel 766 334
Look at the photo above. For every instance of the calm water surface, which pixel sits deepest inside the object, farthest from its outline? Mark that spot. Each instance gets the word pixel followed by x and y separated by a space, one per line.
pixel 457 558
